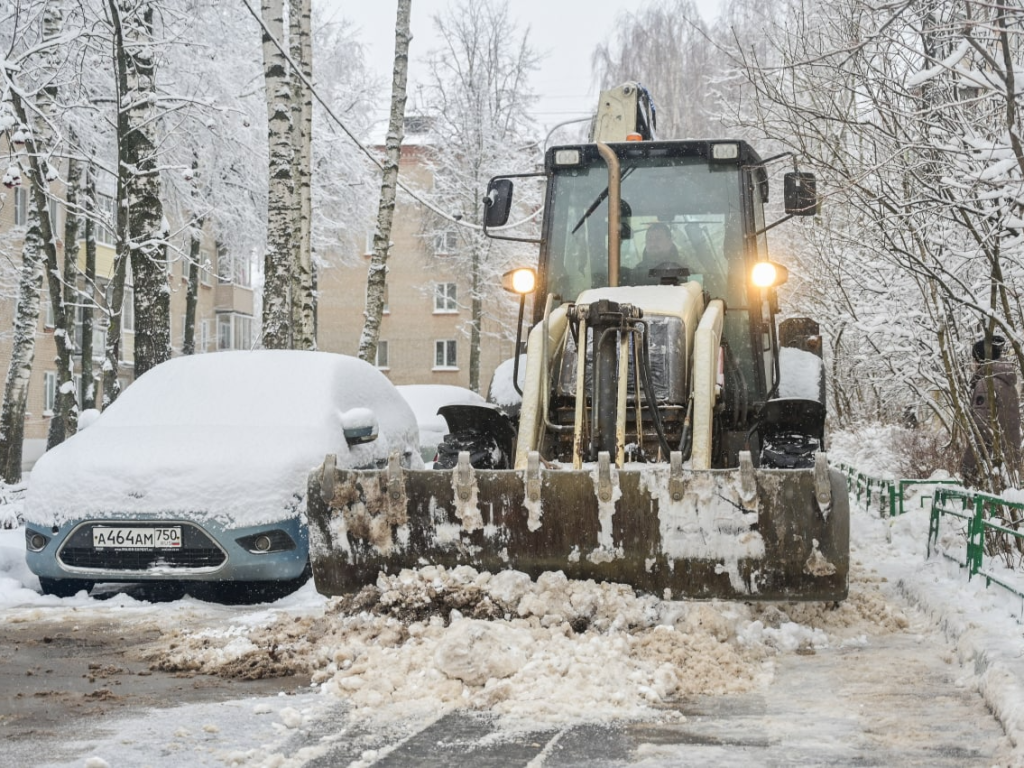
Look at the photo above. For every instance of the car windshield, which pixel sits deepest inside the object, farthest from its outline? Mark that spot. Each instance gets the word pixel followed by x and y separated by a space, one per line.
pixel 676 212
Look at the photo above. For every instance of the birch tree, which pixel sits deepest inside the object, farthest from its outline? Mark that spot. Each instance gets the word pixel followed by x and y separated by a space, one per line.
pixel 278 261
pixel 35 133
pixel 301 44
pixel 376 279
pixel 142 229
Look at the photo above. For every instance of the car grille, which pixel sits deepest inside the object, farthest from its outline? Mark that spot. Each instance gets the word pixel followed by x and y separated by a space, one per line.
pixel 198 550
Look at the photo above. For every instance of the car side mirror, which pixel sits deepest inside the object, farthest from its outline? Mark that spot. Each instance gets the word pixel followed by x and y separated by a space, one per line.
pixel 801 194
pixel 498 202
pixel 359 426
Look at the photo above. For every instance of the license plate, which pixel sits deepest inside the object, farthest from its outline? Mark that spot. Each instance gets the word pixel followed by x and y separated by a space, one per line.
pixel 136 538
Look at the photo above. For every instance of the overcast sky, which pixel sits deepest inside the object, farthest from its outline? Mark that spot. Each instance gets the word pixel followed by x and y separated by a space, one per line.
pixel 565 31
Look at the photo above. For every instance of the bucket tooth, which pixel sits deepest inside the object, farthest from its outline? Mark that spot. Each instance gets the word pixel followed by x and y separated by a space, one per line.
pixel 533 477
pixel 748 480
pixel 327 477
pixel 531 491
pixel 465 488
pixel 676 484
pixel 604 477
pixel 397 501
pixel 822 484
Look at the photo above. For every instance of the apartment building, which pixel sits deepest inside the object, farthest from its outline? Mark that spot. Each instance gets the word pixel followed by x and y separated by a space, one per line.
pixel 424 336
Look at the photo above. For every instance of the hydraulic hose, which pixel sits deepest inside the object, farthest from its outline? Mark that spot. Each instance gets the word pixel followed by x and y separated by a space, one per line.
pixel 649 394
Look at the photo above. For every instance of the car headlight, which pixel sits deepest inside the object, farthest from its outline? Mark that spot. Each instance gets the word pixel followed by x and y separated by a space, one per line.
pixel 267 542
pixel 35 541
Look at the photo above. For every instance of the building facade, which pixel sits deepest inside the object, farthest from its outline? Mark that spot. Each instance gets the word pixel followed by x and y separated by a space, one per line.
pixel 424 336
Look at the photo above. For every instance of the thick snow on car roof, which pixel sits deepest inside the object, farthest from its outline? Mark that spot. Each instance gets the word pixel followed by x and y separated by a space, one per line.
pixel 230 436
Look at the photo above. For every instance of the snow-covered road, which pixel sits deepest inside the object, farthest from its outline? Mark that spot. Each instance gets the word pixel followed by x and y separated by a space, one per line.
pixel 908 671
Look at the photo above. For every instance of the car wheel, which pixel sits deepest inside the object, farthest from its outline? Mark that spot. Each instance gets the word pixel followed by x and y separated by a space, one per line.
pixel 64 587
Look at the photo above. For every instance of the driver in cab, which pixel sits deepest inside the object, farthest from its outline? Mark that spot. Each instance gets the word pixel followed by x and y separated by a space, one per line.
pixel 660 253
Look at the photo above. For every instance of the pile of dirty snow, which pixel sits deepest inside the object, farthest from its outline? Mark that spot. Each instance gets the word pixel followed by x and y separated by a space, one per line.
pixel 553 649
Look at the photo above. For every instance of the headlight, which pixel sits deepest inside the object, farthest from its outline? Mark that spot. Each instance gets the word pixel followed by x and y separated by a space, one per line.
pixel 521 281
pixel 265 543
pixel 767 274
pixel 35 542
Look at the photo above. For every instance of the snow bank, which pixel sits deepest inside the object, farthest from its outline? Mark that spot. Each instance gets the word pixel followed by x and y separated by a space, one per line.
pixel 870 449
pixel 553 650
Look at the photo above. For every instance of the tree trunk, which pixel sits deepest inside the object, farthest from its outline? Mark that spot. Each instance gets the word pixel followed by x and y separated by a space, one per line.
pixel 376 279
pixel 475 314
pixel 302 116
pixel 277 263
pixel 89 299
pixel 37 146
pixel 143 232
pixel 188 341
pixel 64 421
pixel 12 415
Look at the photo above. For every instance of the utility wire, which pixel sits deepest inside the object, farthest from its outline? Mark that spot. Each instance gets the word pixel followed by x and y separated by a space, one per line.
pixel 408 190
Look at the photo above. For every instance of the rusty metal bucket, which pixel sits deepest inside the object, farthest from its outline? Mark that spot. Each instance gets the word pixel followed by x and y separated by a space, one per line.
pixel 746 534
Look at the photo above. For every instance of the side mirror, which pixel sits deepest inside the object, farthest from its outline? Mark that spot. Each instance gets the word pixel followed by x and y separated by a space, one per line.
pixel 498 202
pixel 801 194
pixel 359 426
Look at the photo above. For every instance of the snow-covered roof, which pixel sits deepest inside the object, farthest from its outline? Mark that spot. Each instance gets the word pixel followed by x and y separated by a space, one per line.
pixel 230 436
pixel 426 399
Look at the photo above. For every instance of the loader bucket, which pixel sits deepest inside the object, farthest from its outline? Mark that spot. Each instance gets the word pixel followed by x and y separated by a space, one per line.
pixel 733 534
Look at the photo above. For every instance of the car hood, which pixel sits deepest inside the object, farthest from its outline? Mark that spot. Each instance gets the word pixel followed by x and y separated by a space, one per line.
pixel 237 476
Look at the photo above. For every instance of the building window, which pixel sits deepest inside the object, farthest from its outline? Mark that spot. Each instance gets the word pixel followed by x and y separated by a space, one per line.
pixel 444 354
pixel 48 319
pixel 234 331
pixel 20 206
pixel 54 216
pixel 205 270
pixel 234 268
pixel 128 310
pixel 49 392
pixel 386 309
pixel 204 336
pixel 446 242
pixel 106 209
pixel 368 248
pixel 445 298
pixel 383 361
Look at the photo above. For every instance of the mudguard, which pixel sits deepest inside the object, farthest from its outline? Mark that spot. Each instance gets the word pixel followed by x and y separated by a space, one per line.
pixel 734 534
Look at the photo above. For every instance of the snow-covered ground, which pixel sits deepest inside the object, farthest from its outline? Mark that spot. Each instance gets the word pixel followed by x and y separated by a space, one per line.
pixel 546 653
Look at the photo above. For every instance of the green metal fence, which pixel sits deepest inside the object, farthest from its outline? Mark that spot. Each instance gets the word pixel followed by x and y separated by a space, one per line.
pixel 991 528
pixel 989 523
pixel 891 494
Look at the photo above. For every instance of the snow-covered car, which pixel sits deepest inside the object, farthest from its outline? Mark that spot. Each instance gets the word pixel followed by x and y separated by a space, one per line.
pixel 198 472
pixel 426 400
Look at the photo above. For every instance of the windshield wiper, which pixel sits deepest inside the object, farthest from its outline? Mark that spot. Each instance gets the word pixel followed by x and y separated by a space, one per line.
pixel 598 200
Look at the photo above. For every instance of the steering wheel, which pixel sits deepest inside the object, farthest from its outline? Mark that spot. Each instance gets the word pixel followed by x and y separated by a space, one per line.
pixel 669 273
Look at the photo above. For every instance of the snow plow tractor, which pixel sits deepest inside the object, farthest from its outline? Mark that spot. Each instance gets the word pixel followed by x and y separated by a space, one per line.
pixel 670 430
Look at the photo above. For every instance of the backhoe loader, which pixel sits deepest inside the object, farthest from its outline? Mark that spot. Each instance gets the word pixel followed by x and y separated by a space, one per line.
pixel 670 431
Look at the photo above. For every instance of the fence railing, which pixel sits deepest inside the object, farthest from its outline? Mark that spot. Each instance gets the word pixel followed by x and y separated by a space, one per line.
pixel 891 493
pixel 989 524
pixel 991 531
